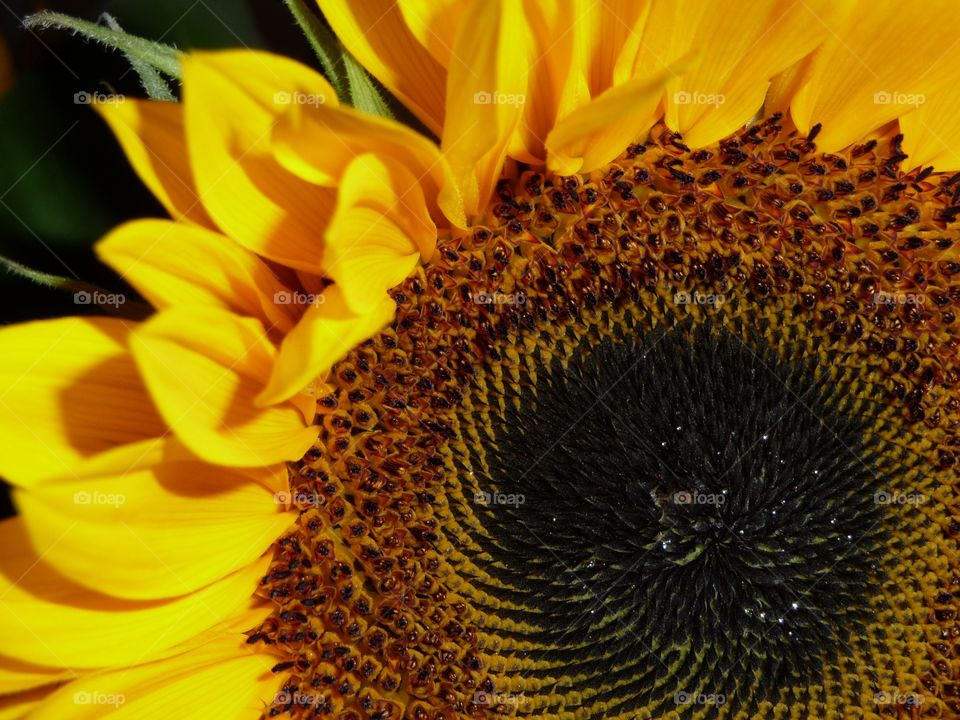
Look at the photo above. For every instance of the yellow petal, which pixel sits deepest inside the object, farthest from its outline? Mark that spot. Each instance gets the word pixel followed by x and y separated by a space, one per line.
pixel 167 531
pixel 376 34
pixel 614 40
pixel 231 101
pixel 784 87
pixel 32 683
pixel 738 52
pixel 153 138
pixel 327 332
pixel 48 620
pixel 72 401
pixel 594 134
pixel 559 77
pixel 222 679
pixel 16 676
pixel 203 367
pixel 486 90
pixel 583 48
pixel 318 143
pixel 878 63
pixel 379 230
pixel 931 133
pixel 172 264
pixel 14 707
pixel 373 255
pixel 434 23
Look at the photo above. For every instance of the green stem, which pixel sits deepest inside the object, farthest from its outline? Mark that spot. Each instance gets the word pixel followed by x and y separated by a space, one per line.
pixel 352 83
pixel 324 43
pixel 162 57
pixel 84 293
pixel 153 83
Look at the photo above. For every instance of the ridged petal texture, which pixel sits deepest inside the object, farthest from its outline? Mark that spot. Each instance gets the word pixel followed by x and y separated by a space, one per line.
pixel 851 66
pixel 259 168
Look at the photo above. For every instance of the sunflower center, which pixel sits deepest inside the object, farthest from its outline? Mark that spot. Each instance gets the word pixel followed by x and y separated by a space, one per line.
pixel 647 441
pixel 679 491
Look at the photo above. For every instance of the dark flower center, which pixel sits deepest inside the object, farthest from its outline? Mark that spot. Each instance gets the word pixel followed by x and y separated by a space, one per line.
pixel 677 494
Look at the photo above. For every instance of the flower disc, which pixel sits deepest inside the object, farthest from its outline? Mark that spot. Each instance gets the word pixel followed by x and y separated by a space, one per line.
pixel 669 439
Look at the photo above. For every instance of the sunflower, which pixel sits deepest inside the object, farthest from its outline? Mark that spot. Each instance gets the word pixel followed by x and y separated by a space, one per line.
pixel 623 387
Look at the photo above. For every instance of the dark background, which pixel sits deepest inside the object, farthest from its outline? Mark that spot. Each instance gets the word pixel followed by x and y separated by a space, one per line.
pixel 63 179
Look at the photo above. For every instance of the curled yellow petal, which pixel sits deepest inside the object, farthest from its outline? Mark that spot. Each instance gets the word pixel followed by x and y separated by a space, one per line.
pixel 877 63
pixel 486 91
pixel 587 138
pixel 327 331
pixel 737 53
pixel 17 677
pixel 167 530
pixel 73 402
pixel 50 621
pixel 223 679
pixel 434 23
pixel 376 33
pixel 931 132
pixel 172 264
pixel 152 135
pixel 204 383
pixel 15 707
pixel 379 230
pixel 231 101
pixel 317 143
